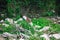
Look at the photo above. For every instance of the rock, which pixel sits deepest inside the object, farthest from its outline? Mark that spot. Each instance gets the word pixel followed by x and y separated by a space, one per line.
pixel 53 11
pixel 6 25
pixel 15 22
pixel 21 39
pixel 53 19
pixel 24 35
pixel 58 22
pixel 20 19
pixel 22 30
pixel 11 38
pixel 37 26
pixel 11 21
pixel 58 18
pixel 57 36
pixel 2 21
pixel 9 35
pixel 35 34
pixel 1 38
pixel 44 29
pixel 46 36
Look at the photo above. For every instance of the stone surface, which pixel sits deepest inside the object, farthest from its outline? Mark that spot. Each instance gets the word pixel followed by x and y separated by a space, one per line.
pixel 1 38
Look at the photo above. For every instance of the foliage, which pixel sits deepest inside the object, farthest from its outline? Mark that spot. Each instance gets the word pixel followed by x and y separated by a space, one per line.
pixel 48 13
pixel 55 28
pixel 41 22
pixel 18 7
pixel 34 38
pixel 26 25
pixel 8 29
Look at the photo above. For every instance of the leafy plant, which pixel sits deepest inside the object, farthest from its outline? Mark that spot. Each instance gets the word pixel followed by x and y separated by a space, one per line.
pixel 41 22
pixel 26 25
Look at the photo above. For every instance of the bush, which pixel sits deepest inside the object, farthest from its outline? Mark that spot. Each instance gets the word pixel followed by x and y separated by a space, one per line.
pixel 41 22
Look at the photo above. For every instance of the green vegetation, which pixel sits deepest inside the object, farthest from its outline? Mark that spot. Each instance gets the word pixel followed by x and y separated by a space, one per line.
pixel 29 8
pixel 34 9
pixel 42 22
pixel 32 6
